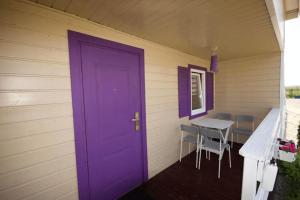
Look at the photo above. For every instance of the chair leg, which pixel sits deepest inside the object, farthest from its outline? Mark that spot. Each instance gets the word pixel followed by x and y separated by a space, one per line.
pixel 229 157
pixel 231 139
pixel 209 155
pixel 189 148
pixel 197 152
pixel 206 155
pixel 199 162
pixel 219 172
pixel 180 150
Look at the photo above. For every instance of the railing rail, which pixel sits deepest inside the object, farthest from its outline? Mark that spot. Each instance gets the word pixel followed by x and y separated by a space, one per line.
pixel 257 152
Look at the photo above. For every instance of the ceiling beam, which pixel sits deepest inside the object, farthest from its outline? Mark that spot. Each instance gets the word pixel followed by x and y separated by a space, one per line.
pixel 291 9
pixel 277 15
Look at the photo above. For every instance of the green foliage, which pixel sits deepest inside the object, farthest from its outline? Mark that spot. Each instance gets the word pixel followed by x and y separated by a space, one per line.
pixel 298 136
pixel 291 92
pixel 292 173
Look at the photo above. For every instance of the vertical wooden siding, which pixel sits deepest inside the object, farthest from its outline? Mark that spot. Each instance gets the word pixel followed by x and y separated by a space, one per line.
pixel 37 159
pixel 248 86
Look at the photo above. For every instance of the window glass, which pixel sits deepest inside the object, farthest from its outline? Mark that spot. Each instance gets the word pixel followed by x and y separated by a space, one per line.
pixel 197 91
pixel 197 94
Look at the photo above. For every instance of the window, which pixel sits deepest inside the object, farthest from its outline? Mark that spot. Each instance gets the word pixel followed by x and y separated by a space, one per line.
pixel 195 91
pixel 198 91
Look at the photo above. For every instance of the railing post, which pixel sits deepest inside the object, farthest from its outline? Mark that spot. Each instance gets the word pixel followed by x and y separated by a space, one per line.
pixel 258 150
pixel 249 179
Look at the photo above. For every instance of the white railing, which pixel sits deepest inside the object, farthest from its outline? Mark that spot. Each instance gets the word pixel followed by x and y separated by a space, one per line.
pixel 257 152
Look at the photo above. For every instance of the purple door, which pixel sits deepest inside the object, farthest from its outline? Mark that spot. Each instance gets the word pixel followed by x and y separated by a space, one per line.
pixel 113 117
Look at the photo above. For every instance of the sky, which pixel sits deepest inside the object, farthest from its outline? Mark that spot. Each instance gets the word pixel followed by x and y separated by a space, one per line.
pixel 292 52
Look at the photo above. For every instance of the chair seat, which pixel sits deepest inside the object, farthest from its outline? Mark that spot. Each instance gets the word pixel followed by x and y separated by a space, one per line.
pixel 190 139
pixel 214 146
pixel 242 131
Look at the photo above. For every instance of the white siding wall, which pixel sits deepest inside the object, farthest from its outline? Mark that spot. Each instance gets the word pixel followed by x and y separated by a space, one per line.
pixel 37 159
pixel 248 86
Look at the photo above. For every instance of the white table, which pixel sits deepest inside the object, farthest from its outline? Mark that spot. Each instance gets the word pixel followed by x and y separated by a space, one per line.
pixel 216 124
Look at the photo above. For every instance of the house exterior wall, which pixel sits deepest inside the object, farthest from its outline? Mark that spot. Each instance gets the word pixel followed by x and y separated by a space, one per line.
pixel 37 153
pixel 248 86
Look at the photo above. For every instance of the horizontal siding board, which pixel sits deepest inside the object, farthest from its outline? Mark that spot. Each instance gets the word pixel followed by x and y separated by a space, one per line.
pixel 17 50
pixel 253 77
pixel 162 100
pixel 56 191
pixel 161 107
pixel 161 84
pixel 33 157
pixel 258 94
pixel 32 67
pixel 34 98
pixel 24 20
pixel 34 83
pixel 171 115
pixel 159 69
pixel 38 185
pixel 160 77
pixel 69 196
pixel 161 124
pixel 250 89
pixel 28 174
pixel 36 112
pixel 161 92
pixel 21 129
pixel 16 146
pixel 35 38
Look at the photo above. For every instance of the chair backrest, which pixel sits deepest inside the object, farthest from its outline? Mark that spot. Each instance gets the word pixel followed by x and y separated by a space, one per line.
pixel 245 118
pixel 225 116
pixel 211 133
pixel 189 129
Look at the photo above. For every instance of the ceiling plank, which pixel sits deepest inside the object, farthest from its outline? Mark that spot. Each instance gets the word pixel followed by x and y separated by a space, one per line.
pixel 46 2
pixel 76 5
pixel 238 28
pixel 90 8
pixel 61 4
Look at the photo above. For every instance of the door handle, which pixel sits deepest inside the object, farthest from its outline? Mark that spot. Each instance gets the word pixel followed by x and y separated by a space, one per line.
pixel 136 120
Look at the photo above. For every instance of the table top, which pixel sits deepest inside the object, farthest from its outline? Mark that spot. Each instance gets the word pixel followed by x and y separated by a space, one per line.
pixel 213 123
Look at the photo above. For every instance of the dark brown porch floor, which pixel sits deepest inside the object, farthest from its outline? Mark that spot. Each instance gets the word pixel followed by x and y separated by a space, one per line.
pixel 183 181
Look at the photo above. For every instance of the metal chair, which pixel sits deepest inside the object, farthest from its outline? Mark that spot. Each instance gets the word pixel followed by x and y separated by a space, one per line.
pixel 226 116
pixel 192 137
pixel 244 130
pixel 207 143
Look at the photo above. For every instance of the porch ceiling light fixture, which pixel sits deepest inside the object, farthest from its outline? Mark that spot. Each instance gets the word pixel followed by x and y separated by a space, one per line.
pixel 214 60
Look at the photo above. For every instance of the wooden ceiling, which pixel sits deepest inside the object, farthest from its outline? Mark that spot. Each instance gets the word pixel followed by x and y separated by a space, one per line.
pixel 237 27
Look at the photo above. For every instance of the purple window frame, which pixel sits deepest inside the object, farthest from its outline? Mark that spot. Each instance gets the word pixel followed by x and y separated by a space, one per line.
pixel 209 91
pixel 183 99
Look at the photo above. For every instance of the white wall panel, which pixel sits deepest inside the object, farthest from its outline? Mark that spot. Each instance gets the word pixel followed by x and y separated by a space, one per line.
pixel 248 86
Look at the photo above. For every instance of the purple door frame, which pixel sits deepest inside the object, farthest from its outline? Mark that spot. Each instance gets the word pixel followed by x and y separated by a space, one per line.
pixel 75 39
